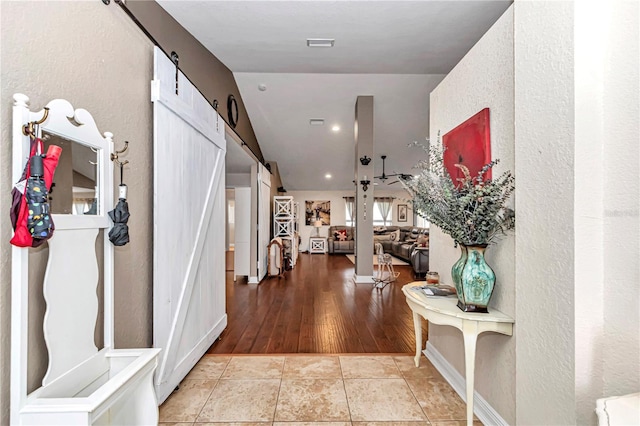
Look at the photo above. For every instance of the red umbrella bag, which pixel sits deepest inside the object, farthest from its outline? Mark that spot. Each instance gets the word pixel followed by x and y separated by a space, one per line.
pixel 19 209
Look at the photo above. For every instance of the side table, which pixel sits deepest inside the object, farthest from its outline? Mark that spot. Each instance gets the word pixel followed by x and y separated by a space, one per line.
pixel 443 311
pixel 317 245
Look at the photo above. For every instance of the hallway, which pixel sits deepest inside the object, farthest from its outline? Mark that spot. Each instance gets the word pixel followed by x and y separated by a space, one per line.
pixel 316 308
pixel 313 348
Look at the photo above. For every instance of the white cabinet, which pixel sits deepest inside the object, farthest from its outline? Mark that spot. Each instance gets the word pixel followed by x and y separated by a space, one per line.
pixel 285 224
pixel 317 245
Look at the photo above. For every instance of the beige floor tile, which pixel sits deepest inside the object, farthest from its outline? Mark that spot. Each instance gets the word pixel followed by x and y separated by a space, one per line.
pixel 311 423
pixel 175 424
pixel 438 399
pixel 382 400
pixel 312 400
pixel 235 424
pixel 419 423
pixel 209 367
pixel 254 367
pixel 408 368
pixel 185 404
pixel 312 367
pixel 241 401
pixel 369 367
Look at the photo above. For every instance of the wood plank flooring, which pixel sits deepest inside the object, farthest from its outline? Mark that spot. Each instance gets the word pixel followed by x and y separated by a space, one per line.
pixel 316 308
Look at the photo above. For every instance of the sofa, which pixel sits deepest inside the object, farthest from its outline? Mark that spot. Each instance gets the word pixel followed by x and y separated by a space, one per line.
pixel 398 241
pixel 336 246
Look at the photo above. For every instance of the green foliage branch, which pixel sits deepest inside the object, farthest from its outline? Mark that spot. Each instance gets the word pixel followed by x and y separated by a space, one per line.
pixel 474 212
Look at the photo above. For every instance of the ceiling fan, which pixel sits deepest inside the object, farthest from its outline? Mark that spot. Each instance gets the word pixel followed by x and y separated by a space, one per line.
pixel 400 176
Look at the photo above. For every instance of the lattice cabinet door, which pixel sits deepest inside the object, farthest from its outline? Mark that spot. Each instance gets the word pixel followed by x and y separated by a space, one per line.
pixel 317 245
pixel 283 206
pixel 283 227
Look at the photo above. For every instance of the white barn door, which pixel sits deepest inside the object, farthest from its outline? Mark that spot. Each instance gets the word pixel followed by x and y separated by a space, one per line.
pixel 188 225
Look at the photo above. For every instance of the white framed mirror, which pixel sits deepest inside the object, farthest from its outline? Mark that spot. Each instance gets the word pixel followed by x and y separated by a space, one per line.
pixel 83 181
pixel 75 188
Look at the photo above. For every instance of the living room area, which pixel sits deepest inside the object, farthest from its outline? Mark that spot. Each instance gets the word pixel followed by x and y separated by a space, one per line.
pixel 393 221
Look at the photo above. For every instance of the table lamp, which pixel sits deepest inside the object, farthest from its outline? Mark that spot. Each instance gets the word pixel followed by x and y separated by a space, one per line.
pixel 317 224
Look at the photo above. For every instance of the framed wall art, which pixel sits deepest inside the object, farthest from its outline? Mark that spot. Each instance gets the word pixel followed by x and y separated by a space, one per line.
pixel 468 144
pixel 317 210
pixel 402 212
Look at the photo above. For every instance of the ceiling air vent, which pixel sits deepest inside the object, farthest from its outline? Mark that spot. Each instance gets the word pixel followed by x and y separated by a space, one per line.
pixel 320 42
pixel 317 122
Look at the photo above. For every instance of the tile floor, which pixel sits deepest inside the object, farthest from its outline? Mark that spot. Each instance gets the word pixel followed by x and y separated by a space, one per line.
pixel 305 390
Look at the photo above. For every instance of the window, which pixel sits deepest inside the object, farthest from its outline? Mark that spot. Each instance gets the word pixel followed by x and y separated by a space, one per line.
pixel 421 222
pixel 382 214
pixel 350 211
pixel 378 220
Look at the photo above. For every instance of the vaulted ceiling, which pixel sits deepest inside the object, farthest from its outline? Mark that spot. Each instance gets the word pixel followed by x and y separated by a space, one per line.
pixel 397 51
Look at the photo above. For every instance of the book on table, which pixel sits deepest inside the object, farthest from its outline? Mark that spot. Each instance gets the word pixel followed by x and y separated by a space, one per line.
pixel 439 290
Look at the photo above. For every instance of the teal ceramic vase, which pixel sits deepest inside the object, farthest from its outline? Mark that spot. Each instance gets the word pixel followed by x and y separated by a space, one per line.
pixel 473 278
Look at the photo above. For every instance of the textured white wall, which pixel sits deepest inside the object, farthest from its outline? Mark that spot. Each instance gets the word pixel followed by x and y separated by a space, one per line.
pixel 545 142
pixel 576 114
pixel 238 180
pixel 589 208
pixel 483 78
pixel 338 214
pixel 94 56
pixel 577 125
pixel 621 284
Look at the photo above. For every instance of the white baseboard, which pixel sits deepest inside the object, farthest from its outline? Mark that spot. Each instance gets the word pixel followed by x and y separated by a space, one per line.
pixel 253 280
pixel 481 407
pixel 363 279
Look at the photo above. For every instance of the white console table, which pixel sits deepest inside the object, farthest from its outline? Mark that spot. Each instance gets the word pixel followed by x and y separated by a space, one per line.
pixel 443 311
pixel 318 245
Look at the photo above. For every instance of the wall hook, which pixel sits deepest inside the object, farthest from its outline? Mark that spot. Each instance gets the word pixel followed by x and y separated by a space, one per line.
pixel 28 129
pixel 115 155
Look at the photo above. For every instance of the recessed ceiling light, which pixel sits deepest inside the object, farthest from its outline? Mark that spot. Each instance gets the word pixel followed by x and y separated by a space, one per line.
pixel 316 121
pixel 328 176
pixel 320 42
pixel 336 128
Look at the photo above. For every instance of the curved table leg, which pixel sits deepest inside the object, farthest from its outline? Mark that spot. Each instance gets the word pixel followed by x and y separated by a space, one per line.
pixel 470 334
pixel 417 325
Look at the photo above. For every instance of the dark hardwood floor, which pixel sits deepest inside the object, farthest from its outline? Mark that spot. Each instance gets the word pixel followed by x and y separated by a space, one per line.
pixel 316 308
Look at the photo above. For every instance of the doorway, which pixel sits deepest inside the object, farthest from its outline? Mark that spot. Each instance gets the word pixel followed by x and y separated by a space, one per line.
pixel 239 202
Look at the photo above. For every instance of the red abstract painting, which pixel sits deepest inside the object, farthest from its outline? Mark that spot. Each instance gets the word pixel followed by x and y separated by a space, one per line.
pixel 468 144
